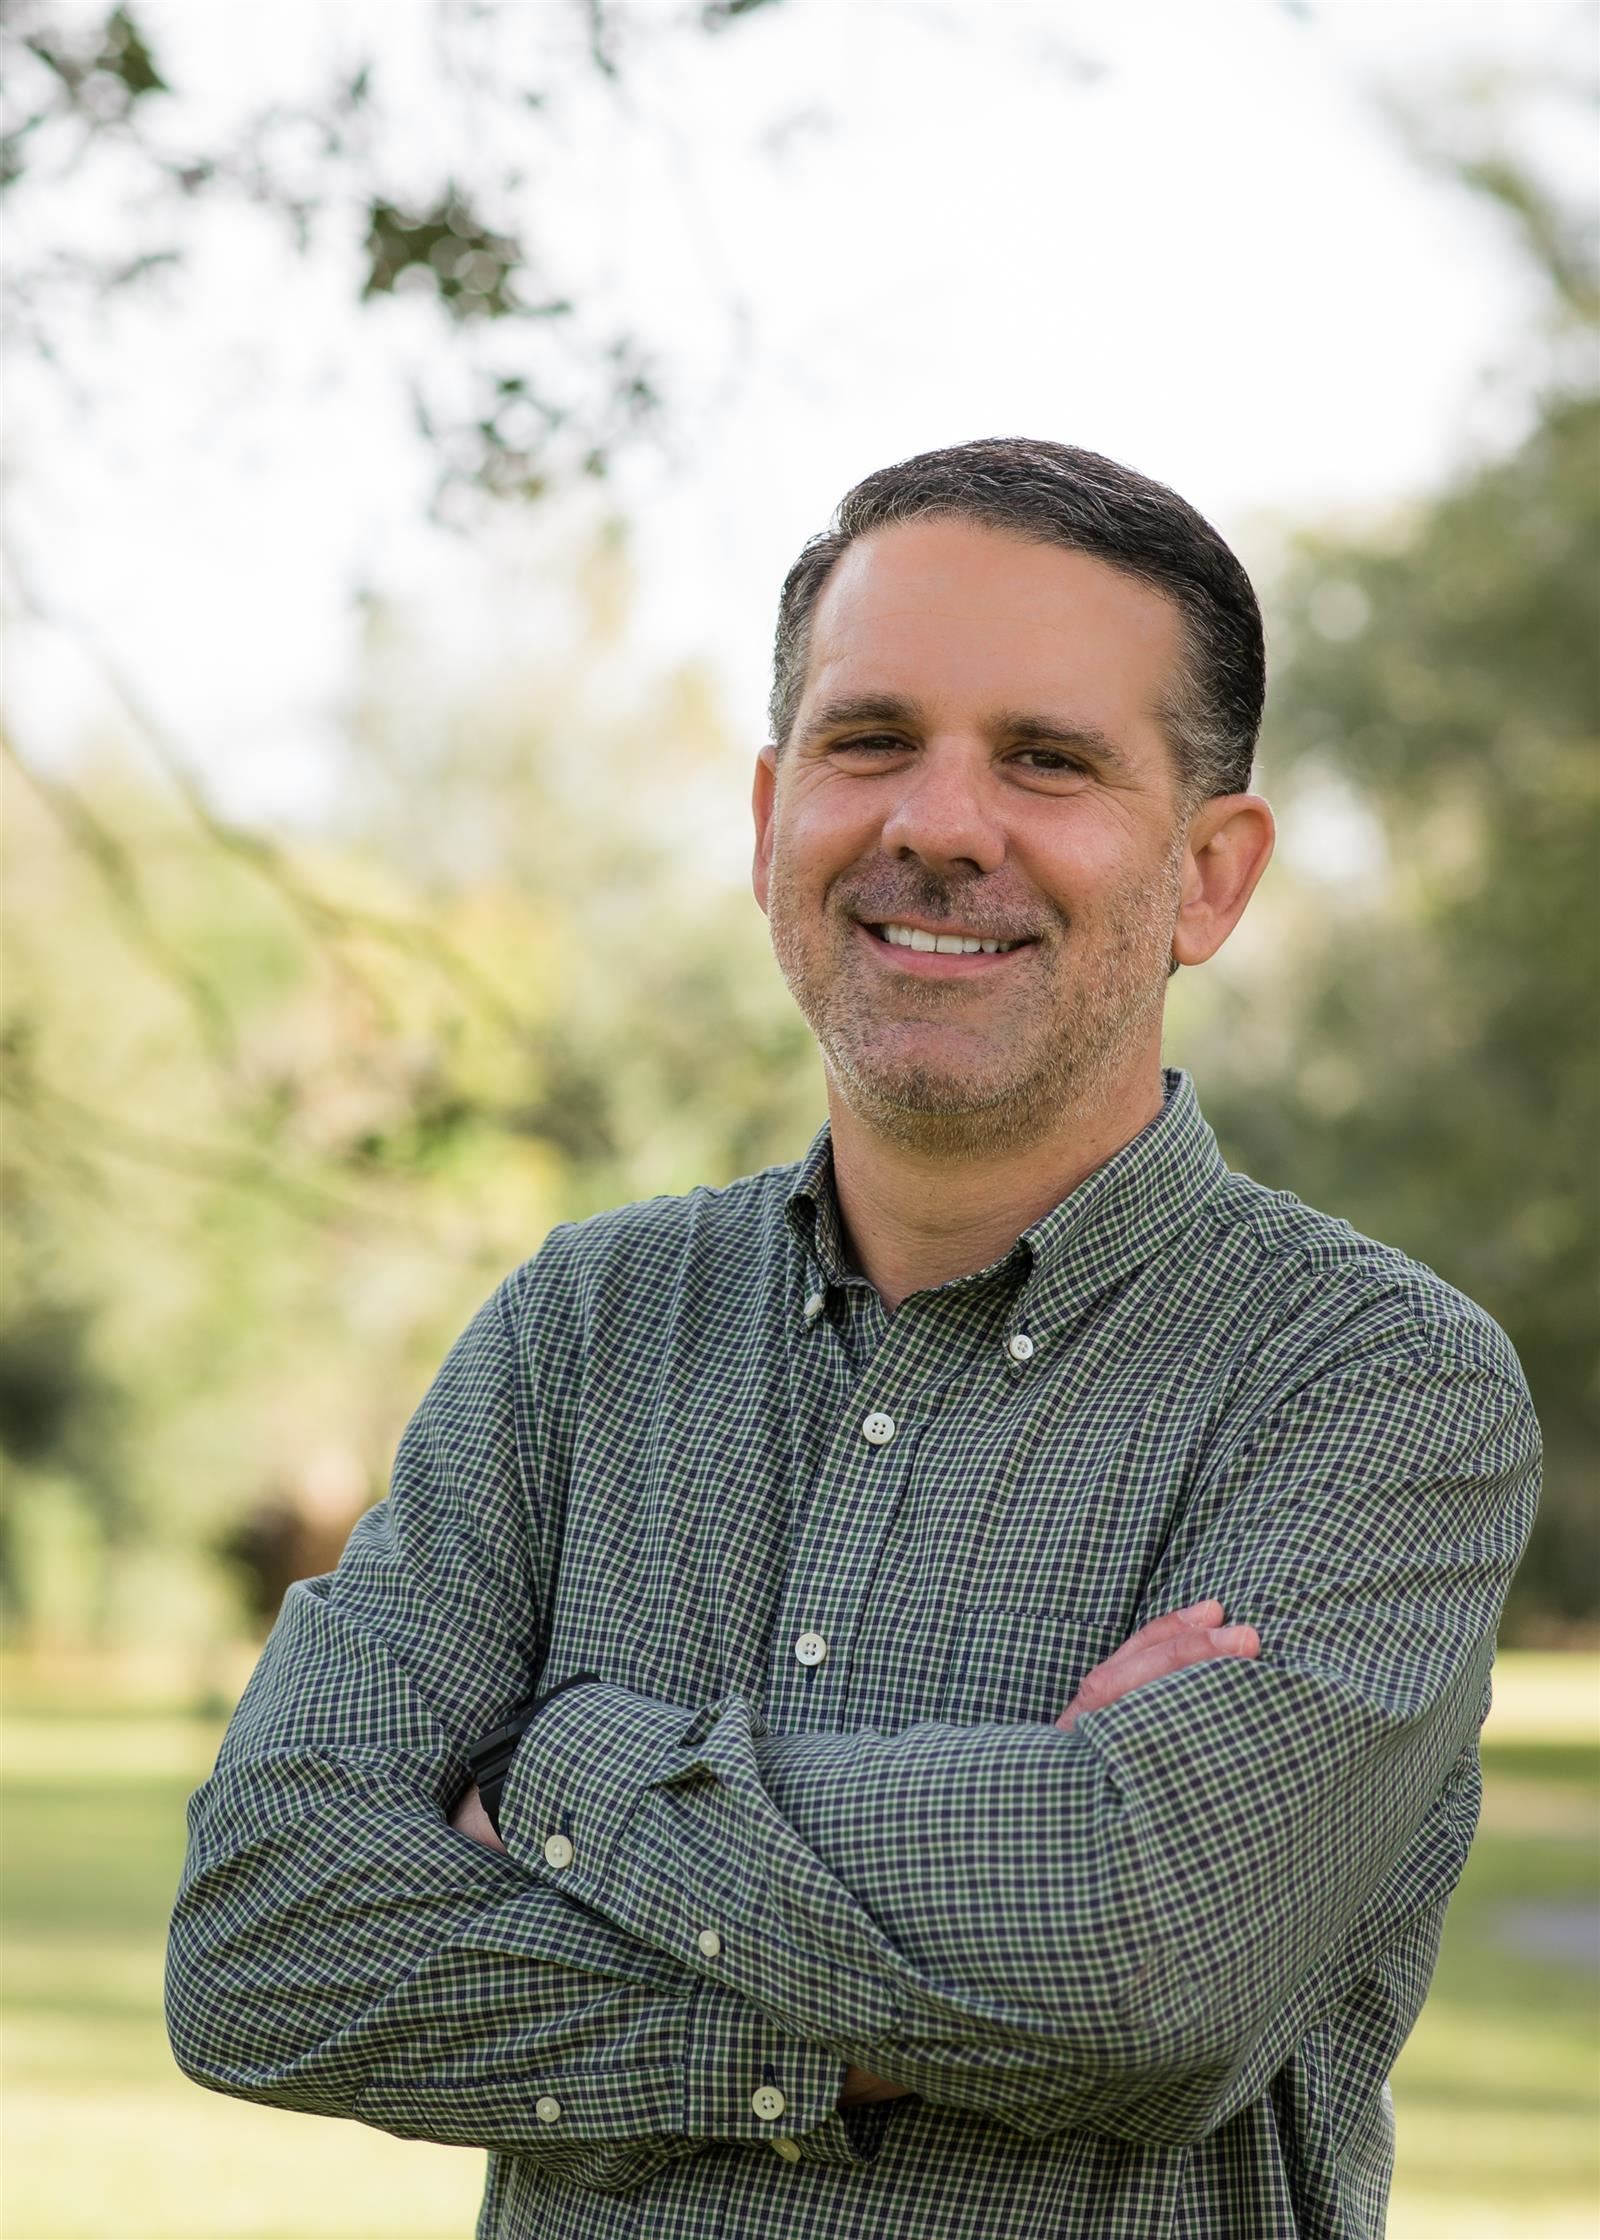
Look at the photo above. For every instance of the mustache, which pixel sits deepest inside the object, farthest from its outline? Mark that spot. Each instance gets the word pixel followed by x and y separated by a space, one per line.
pixel 880 902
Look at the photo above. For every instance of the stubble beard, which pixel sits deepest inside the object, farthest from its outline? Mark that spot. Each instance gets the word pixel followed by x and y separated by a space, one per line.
pixel 1069 1043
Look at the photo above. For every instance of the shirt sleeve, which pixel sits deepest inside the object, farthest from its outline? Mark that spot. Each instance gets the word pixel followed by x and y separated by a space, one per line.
pixel 1127 1928
pixel 337 1947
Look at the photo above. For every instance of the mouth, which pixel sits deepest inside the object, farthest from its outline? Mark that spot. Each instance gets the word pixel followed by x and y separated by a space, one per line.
pixel 941 952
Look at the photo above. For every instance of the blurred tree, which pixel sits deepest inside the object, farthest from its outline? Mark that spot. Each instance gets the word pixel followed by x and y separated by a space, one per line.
pixel 112 167
pixel 1433 1065
pixel 94 118
pixel 206 1031
pixel 279 1239
pixel 277 1117
pixel 62 1418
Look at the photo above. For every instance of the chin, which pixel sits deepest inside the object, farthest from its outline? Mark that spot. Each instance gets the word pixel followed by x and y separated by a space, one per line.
pixel 924 1091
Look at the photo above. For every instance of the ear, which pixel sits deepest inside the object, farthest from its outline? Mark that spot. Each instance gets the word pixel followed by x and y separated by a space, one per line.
pixel 1229 846
pixel 763 803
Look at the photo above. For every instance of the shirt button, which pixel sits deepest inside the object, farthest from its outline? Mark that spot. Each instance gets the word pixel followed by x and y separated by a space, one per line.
pixel 557 1851
pixel 709 1942
pixel 814 1305
pixel 768 2102
pixel 811 1648
pixel 547 2107
pixel 877 1429
pixel 787 2148
pixel 1020 1346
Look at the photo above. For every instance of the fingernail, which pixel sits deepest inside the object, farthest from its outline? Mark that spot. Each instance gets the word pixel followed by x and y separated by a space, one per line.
pixel 1199 1609
pixel 1233 1637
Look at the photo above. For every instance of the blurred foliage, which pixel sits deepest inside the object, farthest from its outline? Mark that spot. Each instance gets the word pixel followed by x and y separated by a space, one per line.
pixel 278 1114
pixel 520 393
pixel 263 1164
pixel 1432 1069
pixel 1408 1029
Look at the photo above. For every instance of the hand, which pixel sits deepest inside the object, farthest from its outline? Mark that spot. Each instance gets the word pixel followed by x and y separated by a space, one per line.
pixel 470 1817
pixel 1183 1637
pixel 860 2088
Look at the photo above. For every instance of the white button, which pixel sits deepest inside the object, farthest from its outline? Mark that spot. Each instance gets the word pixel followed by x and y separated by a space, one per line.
pixel 768 2102
pixel 811 1648
pixel 787 2148
pixel 557 1851
pixel 709 1942
pixel 878 1428
pixel 547 2107
pixel 814 1305
pixel 1020 1346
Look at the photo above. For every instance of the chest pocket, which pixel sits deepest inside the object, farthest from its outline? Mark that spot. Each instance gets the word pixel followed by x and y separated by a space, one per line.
pixel 1020 1664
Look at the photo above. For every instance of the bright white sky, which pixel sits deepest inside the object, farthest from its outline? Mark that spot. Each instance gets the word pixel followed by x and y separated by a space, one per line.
pixel 1178 233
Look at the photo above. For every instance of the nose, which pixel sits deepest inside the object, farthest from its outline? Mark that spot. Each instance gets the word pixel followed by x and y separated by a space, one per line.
pixel 944 813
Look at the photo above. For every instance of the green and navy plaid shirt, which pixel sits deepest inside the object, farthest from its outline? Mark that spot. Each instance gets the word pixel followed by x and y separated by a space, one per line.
pixel 838 1572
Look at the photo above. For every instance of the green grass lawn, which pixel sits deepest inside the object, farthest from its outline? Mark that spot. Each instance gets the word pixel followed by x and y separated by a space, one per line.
pixel 1497 2095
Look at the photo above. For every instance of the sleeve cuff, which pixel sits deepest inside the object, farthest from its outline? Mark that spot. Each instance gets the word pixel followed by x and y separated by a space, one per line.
pixel 578 1775
pixel 744 2078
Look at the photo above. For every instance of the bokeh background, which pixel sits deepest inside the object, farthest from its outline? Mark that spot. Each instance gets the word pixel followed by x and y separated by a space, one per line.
pixel 411 411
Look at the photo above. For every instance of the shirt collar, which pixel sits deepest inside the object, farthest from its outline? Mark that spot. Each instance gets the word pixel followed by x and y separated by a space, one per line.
pixel 1115 1220
pixel 812 1212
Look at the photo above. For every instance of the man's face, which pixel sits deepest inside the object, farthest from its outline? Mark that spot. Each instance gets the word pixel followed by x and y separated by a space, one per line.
pixel 976 754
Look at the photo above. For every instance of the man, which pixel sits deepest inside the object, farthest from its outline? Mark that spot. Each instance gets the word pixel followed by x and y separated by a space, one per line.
pixel 932 1692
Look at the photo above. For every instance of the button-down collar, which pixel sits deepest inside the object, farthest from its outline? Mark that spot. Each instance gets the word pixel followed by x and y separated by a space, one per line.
pixel 1115 1220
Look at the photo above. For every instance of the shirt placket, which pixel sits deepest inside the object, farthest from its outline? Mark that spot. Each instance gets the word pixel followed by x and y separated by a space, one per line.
pixel 856 1435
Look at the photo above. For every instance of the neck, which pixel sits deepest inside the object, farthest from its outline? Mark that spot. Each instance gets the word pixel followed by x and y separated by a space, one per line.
pixel 920 1214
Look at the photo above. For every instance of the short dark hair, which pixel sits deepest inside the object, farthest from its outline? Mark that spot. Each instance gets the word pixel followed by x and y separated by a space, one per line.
pixel 1053 493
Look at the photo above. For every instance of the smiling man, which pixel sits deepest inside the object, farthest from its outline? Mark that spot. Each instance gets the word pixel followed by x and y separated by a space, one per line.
pixel 980 857
pixel 933 1691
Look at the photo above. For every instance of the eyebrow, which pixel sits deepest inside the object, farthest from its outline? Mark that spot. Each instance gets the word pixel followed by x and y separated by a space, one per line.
pixel 1008 723
pixel 865 707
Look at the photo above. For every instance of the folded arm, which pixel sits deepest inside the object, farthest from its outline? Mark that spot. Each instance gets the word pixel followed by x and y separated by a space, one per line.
pixel 1128 1927
pixel 337 1946
pixel 1170 1643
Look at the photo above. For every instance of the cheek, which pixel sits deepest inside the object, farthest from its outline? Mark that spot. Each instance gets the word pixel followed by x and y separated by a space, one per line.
pixel 1076 862
pixel 819 837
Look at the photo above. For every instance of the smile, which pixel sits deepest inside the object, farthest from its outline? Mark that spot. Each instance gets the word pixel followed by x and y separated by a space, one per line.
pixel 941 944
pixel 942 955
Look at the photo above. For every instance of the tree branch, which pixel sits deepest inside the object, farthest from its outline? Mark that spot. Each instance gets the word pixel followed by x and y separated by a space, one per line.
pixel 114 866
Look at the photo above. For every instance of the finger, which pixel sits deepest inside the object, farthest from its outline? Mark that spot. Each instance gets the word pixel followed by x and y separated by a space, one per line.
pixel 1174 1622
pixel 1193 1645
pixel 1138 1662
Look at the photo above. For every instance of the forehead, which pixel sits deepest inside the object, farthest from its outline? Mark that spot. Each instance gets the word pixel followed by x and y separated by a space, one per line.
pixel 954 614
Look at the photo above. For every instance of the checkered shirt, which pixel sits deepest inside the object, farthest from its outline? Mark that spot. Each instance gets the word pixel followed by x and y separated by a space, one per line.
pixel 838 1571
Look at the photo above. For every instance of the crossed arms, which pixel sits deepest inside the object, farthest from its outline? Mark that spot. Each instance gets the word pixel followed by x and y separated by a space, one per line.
pixel 1167 1644
pixel 1124 1927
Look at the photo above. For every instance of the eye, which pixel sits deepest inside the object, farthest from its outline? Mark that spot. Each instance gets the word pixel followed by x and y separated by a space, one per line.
pixel 1050 762
pixel 875 742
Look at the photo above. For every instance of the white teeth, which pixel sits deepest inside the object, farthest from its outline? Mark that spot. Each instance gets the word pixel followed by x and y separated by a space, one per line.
pixel 943 944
